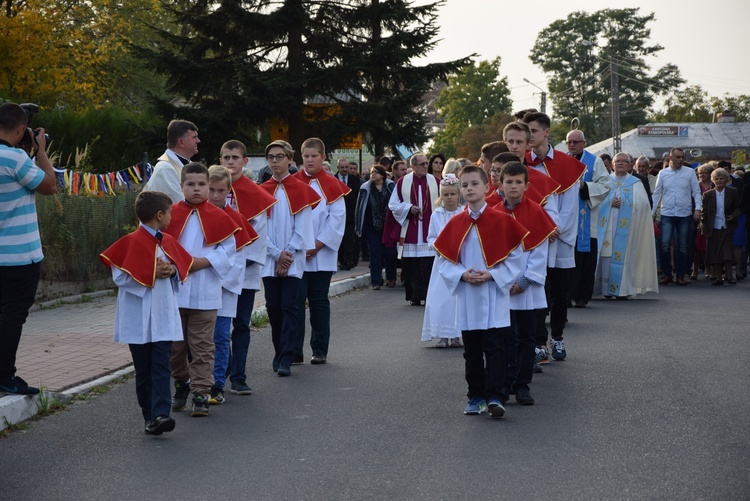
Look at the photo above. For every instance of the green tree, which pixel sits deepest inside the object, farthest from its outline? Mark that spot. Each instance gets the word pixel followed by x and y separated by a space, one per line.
pixel 578 72
pixel 473 95
pixel 469 143
pixel 739 104
pixel 691 104
pixel 325 68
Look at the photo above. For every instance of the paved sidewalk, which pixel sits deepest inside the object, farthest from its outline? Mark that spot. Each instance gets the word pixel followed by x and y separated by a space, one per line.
pixel 69 345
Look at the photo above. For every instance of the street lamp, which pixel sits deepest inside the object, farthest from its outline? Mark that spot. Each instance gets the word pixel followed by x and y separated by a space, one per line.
pixel 544 95
pixel 615 87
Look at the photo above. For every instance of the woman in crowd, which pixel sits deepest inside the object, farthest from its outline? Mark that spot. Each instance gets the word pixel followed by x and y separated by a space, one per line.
pixel 372 205
pixel 435 166
pixel 452 166
pixel 699 256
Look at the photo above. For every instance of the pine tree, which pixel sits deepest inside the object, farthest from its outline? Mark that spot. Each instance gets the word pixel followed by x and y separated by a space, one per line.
pixel 324 67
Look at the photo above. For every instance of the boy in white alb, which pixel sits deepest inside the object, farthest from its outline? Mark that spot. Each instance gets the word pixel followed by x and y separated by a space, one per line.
pixel 329 222
pixel 290 236
pixel 207 233
pixel 252 202
pixel 147 317
pixel 219 184
pixel 480 255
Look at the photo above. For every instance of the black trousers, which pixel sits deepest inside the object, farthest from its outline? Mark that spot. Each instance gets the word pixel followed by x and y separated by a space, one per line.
pixel 521 348
pixel 349 248
pixel 282 306
pixel 17 291
pixel 152 374
pixel 417 272
pixel 582 276
pixel 556 288
pixel 485 356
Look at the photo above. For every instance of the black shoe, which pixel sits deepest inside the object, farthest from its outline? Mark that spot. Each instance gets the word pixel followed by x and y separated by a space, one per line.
pixel 318 359
pixel 181 394
pixel 17 386
pixel 523 396
pixel 200 406
pixel 504 396
pixel 537 368
pixel 298 359
pixel 161 424
pixel 284 370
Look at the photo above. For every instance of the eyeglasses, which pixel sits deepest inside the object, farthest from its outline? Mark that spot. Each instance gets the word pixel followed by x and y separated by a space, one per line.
pixel 422 164
pixel 277 158
pixel 575 142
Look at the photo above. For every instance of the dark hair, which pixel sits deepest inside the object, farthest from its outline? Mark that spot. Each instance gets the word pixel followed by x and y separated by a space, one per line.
pixel 385 161
pixel 288 150
pixel 177 130
pixel 520 114
pixel 380 169
pixel 396 163
pixel 233 144
pixel 474 168
pixel 149 203
pixel 11 116
pixel 491 150
pixel 432 159
pixel 676 148
pixel 315 144
pixel 605 156
pixel 724 164
pixel 540 118
pixel 193 168
pixel 514 168
pixel 505 157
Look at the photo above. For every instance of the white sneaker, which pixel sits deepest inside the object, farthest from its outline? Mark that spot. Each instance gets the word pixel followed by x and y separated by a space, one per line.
pixel 456 343
pixel 443 343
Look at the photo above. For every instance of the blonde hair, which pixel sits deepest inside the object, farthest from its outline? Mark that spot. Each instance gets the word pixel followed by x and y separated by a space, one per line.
pixel 219 173
pixel 452 166
pixel 443 186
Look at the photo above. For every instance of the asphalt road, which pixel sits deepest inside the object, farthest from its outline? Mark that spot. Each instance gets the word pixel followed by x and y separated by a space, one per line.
pixel 652 403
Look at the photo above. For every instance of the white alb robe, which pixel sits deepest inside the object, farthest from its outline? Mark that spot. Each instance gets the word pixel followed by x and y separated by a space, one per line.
pixel 329 221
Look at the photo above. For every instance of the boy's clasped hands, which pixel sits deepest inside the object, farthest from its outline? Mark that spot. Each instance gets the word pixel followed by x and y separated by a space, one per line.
pixel 476 277
pixel 164 269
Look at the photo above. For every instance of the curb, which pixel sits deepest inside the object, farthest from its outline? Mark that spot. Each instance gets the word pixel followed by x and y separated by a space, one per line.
pixel 15 409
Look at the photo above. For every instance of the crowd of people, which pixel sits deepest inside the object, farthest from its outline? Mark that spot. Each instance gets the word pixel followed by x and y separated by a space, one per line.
pixel 491 249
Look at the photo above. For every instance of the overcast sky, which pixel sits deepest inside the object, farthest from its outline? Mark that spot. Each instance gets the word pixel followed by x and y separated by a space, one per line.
pixel 708 40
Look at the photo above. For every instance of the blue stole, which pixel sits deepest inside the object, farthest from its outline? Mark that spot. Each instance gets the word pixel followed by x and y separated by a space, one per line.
pixel 583 242
pixel 621 226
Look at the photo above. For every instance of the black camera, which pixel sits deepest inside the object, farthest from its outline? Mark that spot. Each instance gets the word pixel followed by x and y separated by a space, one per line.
pixel 28 141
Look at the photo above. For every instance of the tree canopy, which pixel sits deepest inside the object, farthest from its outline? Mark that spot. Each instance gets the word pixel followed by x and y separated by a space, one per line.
pixel 326 68
pixel 578 54
pixel 693 104
pixel 472 96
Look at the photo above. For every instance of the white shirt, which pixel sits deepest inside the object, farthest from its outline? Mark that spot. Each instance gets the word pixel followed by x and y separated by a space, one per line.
pixel 329 221
pixel 720 219
pixel 676 189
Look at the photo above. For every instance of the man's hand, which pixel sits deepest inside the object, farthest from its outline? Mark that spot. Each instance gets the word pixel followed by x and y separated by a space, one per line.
pixel 554 235
pixel 475 277
pixel 414 209
pixel 696 215
pixel 164 269
pixel 285 259
pixel 515 290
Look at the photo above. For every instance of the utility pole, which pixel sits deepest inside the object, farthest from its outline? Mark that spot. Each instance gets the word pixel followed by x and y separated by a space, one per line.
pixel 543 105
pixel 614 83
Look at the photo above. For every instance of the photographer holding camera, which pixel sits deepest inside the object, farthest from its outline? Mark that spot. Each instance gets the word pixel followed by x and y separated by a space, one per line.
pixel 20 246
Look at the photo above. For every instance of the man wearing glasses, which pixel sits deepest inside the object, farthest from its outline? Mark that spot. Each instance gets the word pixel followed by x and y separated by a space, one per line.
pixel 594 188
pixel 411 204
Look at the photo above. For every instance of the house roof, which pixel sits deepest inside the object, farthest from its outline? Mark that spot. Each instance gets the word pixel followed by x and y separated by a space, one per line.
pixel 715 140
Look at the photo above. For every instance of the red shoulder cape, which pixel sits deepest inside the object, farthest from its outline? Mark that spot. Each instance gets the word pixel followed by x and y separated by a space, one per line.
pixel 298 194
pixel 541 187
pixel 493 199
pixel 246 234
pixel 332 188
pixel 564 169
pixel 251 200
pixel 216 225
pixel 534 218
pixel 498 233
pixel 135 254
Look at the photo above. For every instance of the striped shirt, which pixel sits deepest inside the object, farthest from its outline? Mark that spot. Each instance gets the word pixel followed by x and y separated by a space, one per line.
pixel 19 232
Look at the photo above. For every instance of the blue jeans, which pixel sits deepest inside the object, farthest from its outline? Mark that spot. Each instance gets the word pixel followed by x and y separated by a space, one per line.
pixel 17 292
pixel 681 225
pixel 152 373
pixel 241 336
pixel 314 287
pixel 379 255
pixel 221 350
pixel 282 305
